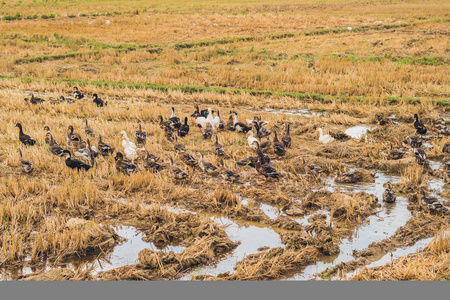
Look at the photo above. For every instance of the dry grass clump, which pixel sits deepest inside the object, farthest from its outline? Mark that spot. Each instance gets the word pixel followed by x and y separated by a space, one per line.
pixel 271 264
pixel 349 151
pixel 433 263
pixel 435 151
pixel 51 275
pixel 411 179
pixel 83 192
pixel 393 133
pixel 285 222
pixel 224 198
pixel 396 166
pixel 440 242
pixel 57 239
pixel 319 234
pixel 365 175
pixel 228 203
pixel 352 207
pixel 60 274
pixel 348 207
pixel 204 250
pixel 76 237
pixel 180 229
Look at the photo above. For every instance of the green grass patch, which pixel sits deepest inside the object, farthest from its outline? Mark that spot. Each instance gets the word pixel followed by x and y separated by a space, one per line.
pixel 227 90
pixel 417 60
pixel 306 33
pixel 17 16
pixel 52 57
pixel 232 40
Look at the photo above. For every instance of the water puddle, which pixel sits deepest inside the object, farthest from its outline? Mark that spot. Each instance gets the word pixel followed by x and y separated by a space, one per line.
pixel 297 112
pixel 251 237
pixel 127 253
pixel 271 211
pixel 357 132
pixel 418 246
pixel 434 164
pixel 436 184
pixel 375 228
pixel 122 255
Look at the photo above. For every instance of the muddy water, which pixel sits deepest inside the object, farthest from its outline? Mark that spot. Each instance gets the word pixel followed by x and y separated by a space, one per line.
pixel 375 228
pixel 271 211
pixel 251 235
pixel 304 220
pixel 418 246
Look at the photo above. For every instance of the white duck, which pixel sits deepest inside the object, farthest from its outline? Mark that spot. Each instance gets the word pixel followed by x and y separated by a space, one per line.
pixel 126 143
pixel 251 140
pixel 129 147
pixel 202 121
pixel 218 122
pixel 325 139
pixel 240 127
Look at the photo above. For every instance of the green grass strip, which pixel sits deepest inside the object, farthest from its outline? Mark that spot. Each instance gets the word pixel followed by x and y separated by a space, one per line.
pixel 305 33
pixel 157 48
pixel 418 60
pixel 52 57
pixel 199 89
pixel 233 40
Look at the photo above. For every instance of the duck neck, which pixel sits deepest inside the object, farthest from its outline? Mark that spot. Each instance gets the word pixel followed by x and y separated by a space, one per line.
pixel 235 119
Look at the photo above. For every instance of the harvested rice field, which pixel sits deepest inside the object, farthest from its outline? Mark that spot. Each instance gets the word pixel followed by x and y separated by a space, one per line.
pixel 224 140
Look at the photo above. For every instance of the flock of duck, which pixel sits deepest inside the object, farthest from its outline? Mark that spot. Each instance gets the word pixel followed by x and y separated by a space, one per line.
pixel 209 125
